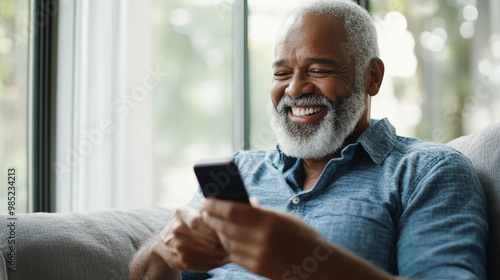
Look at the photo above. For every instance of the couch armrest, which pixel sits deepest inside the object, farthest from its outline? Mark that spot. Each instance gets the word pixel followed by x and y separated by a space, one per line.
pixel 93 245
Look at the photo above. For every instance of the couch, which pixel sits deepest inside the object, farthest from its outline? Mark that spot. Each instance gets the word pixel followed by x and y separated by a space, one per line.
pixel 100 245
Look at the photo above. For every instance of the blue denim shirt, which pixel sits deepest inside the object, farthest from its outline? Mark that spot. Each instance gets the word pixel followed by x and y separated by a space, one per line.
pixel 412 208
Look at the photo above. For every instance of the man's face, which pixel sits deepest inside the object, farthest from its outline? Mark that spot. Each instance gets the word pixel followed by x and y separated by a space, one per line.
pixel 310 57
pixel 316 101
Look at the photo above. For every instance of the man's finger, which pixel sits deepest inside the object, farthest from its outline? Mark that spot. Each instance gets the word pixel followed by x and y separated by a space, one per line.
pixel 192 219
pixel 226 231
pixel 254 202
pixel 225 209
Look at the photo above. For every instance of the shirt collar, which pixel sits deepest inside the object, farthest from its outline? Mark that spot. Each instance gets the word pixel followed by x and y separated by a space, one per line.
pixel 286 161
pixel 378 140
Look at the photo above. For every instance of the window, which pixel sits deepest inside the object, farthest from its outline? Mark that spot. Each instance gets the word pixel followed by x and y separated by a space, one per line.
pixel 14 45
pixel 442 63
pixel 145 91
pixel 193 109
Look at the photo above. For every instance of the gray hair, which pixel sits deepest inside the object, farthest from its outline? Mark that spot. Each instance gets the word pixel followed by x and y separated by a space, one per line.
pixel 361 35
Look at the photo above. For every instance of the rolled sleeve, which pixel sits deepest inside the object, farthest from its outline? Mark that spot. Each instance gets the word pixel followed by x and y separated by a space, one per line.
pixel 443 229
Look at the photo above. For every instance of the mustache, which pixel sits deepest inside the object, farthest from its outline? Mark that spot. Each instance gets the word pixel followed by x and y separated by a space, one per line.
pixel 306 101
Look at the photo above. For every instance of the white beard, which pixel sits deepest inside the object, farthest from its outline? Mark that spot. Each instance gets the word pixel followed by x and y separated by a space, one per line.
pixel 316 141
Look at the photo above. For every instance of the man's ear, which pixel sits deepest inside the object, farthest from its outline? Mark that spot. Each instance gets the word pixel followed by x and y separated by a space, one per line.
pixel 376 75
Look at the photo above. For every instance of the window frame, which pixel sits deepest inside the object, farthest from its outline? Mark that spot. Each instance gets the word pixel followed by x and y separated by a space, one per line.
pixel 41 101
pixel 241 85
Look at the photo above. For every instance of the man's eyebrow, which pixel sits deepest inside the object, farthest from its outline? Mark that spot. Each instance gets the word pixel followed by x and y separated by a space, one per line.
pixel 278 63
pixel 319 60
pixel 322 60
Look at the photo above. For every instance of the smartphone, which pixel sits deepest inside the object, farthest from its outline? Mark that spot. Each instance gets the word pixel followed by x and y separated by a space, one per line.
pixel 221 179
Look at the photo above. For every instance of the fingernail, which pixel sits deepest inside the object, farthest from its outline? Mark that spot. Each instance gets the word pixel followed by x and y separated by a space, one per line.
pixel 201 202
pixel 204 215
pixel 254 202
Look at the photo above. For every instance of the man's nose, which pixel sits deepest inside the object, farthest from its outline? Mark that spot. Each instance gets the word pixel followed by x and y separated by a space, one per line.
pixel 298 86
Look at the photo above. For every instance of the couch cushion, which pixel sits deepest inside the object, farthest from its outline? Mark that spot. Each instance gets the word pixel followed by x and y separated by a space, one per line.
pixel 93 245
pixel 483 149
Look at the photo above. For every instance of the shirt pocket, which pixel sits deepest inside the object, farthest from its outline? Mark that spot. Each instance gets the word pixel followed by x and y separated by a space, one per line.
pixel 361 227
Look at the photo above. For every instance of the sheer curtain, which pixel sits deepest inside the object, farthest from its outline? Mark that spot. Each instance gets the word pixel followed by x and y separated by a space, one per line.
pixel 144 90
pixel 104 105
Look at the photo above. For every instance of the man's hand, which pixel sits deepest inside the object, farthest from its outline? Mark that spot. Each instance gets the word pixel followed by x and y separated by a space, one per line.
pixel 185 243
pixel 268 243
pixel 280 245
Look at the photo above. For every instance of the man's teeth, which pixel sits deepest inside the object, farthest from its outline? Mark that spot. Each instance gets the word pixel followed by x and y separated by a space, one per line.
pixel 300 112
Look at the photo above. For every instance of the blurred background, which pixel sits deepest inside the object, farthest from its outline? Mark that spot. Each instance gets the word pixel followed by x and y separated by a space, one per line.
pixel 145 88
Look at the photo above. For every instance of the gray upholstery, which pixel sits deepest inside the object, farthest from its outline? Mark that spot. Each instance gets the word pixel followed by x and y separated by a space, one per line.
pixel 483 149
pixel 93 245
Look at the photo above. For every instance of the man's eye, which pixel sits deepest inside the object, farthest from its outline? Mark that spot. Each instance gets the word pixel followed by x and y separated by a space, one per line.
pixel 281 75
pixel 319 73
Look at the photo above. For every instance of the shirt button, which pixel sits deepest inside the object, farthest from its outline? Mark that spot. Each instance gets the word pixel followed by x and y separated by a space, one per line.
pixel 296 200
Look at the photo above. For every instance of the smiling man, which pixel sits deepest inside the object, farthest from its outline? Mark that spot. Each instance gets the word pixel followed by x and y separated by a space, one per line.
pixel 342 196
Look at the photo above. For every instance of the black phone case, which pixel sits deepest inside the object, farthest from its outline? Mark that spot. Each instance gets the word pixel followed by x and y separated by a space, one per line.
pixel 221 179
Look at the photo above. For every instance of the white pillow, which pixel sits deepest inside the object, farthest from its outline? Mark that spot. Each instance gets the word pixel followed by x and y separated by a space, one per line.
pixel 483 149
